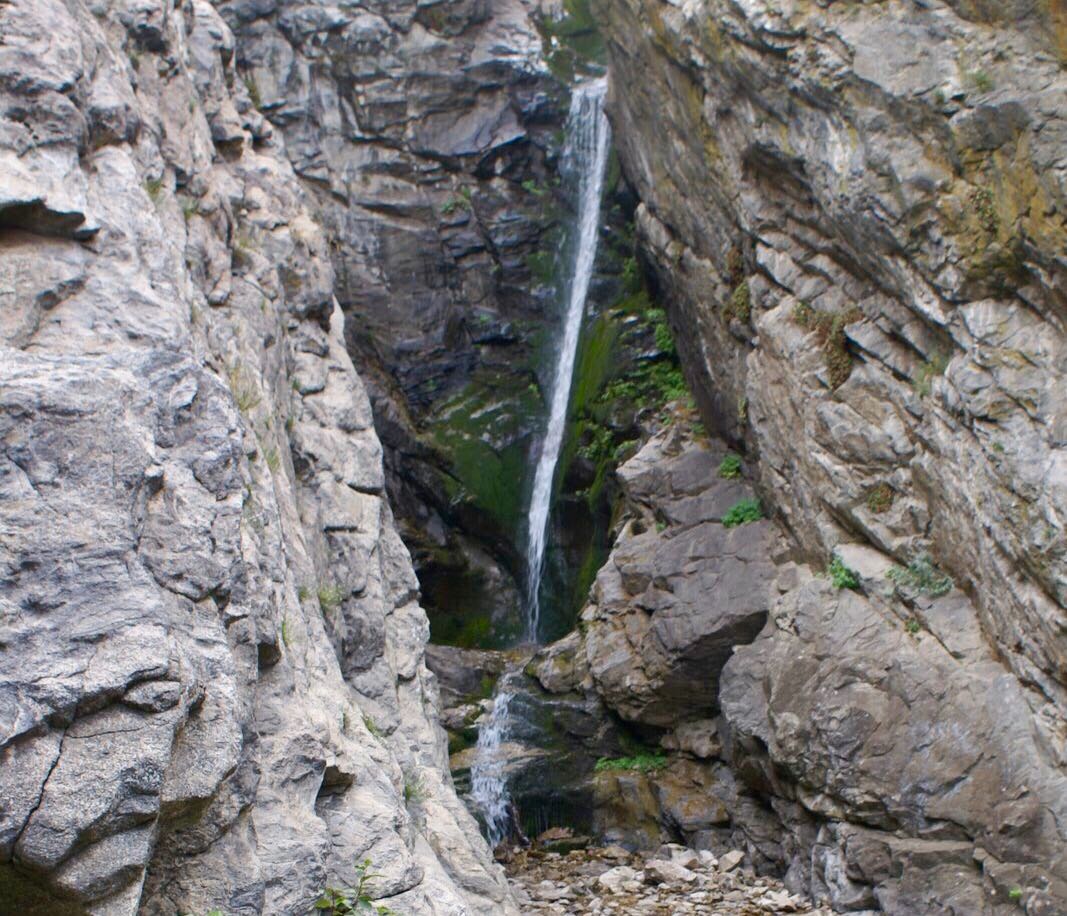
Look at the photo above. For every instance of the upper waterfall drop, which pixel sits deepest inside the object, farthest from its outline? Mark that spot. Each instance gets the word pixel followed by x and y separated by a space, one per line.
pixel 585 155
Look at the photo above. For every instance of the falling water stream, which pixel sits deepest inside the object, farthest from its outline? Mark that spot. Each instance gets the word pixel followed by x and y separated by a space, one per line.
pixel 585 158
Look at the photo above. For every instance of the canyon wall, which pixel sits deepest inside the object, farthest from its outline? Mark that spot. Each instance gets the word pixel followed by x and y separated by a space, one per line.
pixel 213 688
pixel 855 216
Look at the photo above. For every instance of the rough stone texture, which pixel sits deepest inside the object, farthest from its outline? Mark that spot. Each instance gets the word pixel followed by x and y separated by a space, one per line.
pixel 680 589
pixel 429 130
pixel 212 682
pixel 856 214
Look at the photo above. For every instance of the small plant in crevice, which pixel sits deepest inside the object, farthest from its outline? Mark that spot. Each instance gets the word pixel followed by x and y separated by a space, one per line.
pixel 739 305
pixel 927 372
pixel 342 901
pixel 829 330
pixel 921 576
pixel 462 201
pixel 254 95
pixel 730 466
pixel 639 763
pixel 285 632
pixel 154 188
pixel 880 498
pixel 912 626
pixel 743 512
pixel 273 458
pixel 243 388
pixel 330 596
pixel 414 789
pixel 1015 894
pixel 840 575
pixel 372 726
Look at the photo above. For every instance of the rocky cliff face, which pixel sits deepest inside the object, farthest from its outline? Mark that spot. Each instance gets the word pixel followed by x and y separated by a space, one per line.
pixel 213 691
pixel 857 217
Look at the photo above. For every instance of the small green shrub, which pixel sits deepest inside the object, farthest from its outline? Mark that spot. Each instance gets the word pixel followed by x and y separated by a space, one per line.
pixel 921 575
pixel 330 596
pixel 739 305
pixel 742 512
pixel 1015 894
pixel 414 789
pixel 639 763
pixel 730 467
pixel 880 498
pixel 981 80
pixel 532 187
pixel 912 626
pixel 154 188
pixel 840 575
pixel 342 901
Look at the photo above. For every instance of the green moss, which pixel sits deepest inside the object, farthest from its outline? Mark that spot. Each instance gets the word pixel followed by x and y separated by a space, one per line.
pixel 640 763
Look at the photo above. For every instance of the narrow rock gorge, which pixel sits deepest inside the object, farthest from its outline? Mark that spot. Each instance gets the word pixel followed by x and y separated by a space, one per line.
pixel 283 296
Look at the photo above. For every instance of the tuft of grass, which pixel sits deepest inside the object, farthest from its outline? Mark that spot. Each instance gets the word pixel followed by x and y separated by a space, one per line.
pixel 372 726
pixel 981 80
pixel 639 763
pixel 414 789
pixel 273 459
pixel 243 388
pixel 303 593
pixel 880 498
pixel 190 207
pixel 912 626
pixel 253 91
pixel 743 512
pixel 730 467
pixel 840 575
pixel 830 332
pixel 154 188
pixel 922 576
pixel 330 596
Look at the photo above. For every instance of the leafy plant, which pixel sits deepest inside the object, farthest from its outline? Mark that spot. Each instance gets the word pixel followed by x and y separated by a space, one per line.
pixel 342 901
pixel 840 575
pixel 921 575
pixel 1015 894
pixel 913 626
pixel 730 467
pixel 532 187
pixel 639 763
pixel 743 512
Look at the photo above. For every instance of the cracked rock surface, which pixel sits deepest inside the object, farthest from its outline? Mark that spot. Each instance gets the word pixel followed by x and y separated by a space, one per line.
pixel 212 687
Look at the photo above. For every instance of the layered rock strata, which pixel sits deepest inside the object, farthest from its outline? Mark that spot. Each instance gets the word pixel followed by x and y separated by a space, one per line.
pixel 212 688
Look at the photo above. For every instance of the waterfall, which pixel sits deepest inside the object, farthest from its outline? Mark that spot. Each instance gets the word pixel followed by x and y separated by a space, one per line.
pixel 489 787
pixel 585 155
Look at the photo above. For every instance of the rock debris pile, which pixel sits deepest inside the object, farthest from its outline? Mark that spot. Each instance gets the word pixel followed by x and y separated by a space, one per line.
pixel 669 881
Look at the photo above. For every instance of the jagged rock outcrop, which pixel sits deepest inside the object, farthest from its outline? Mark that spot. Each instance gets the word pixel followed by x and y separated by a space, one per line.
pixel 212 687
pixel 856 217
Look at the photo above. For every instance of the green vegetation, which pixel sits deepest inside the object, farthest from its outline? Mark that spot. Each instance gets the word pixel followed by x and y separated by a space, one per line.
pixel 1015 894
pixel 190 206
pixel 463 201
pixel 341 901
pixel 244 390
pixel 372 726
pixel 743 512
pixel 154 188
pixel 273 458
pixel 924 378
pixel 840 575
pixel 830 332
pixel 253 91
pixel 639 763
pixel 330 596
pixel 739 305
pixel 285 632
pixel 572 43
pixel 880 498
pixel 730 467
pixel 981 80
pixel 532 187
pixel 922 576
pixel 912 626
pixel 414 789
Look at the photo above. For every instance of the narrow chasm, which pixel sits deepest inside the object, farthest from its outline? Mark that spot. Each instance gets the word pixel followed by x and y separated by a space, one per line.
pixel 572 457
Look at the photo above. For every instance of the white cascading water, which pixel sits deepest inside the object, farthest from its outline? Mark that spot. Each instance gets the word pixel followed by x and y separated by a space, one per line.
pixel 489 786
pixel 586 156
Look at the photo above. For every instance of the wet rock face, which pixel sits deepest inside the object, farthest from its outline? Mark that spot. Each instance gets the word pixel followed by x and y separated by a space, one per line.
pixel 212 684
pixel 431 132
